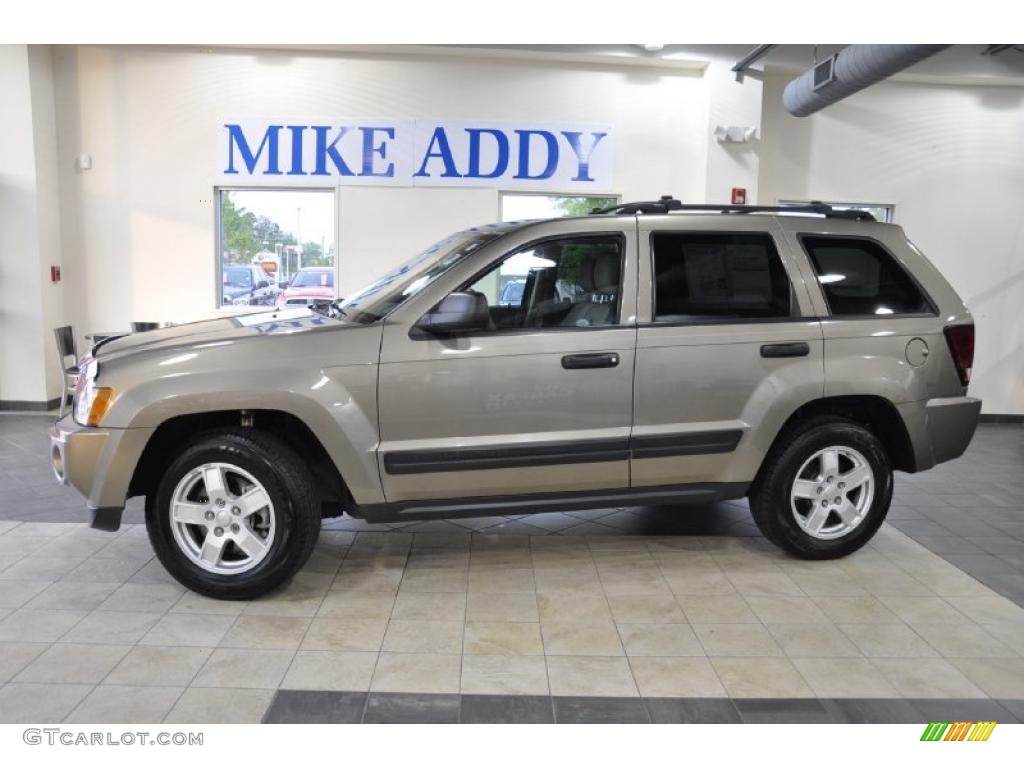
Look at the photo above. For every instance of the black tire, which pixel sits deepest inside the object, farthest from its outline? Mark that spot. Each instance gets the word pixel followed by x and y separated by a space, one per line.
pixel 288 484
pixel 770 495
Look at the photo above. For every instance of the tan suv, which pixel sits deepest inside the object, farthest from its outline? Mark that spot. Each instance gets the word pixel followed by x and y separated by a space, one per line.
pixel 658 353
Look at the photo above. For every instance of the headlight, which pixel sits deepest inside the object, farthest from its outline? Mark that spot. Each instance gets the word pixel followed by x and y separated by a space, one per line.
pixel 91 402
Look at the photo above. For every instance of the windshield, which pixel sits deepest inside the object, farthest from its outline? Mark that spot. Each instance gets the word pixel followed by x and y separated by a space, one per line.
pixel 386 294
pixel 314 278
pixel 239 277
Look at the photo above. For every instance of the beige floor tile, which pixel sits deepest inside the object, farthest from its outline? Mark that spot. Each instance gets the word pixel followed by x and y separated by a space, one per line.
pixel 1011 634
pixel 417 673
pixel 771 582
pixel 502 674
pixel 510 580
pixel 14 594
pixel 785 609
pixel 717 609
pixel 69 663
pixel 568 579
pixel 142 597
pixel 155 665
pixel 865 609
pixel 819 578
pixel 888 641
pixel 285 632
pixel 508 638
pixel 244 668
pixel 581 638
pixel 14 657
pixel 368 580
pixel 927 679
pixel 430 606
pixel 953 583
pixel 331 671
pixel 40 568
pixel 357 605
pixel 37 626
pixel 302 595
pixel 39 702
pixel 736 640
pixel 423 636
pixel 812 640
pixel 759 678
pixel 344 635
pixel 675 677
pixel 964 640
pixel 641 609
pixel 989 609
pixel 125 704
pixel 564 607
pixel 705 582
pixel 112 628
pixel 71 596
pixel 430 580
pixel 844 678
pixel 923 610
pixel 999 678
pixel 590 676
pixel 659 640
pixel 190 602
pixel 892 583
pixel 647 581
pixel 502 607
pixel 220 705
pixel 198 629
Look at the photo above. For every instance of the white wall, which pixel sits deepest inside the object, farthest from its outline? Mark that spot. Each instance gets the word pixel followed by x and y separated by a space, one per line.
pixel 951 159
pixel 139 227
pixel 30 306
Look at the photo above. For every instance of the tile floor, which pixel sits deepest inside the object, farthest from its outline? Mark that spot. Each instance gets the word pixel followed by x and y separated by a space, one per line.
pixel 615 615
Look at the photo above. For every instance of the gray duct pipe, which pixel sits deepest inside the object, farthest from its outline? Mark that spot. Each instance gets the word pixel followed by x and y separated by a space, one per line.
pixel 855 67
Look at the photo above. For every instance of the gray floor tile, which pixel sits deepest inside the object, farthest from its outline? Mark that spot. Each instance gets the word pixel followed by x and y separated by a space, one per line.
pixel 788 711
pixel 600 709
pixel 506 709
pixel 878 711
pixel 964 709
pixel 692 710
pixel 412 708
pixel 316 707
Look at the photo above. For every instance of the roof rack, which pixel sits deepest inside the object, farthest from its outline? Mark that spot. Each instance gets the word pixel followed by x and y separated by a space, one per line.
pixel 668 203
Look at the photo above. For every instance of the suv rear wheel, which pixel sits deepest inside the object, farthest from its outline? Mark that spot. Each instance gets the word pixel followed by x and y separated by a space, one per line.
pixel 824 490
pixel 234 515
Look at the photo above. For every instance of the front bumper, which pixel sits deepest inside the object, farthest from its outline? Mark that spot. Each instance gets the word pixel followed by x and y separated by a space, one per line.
pixel 99 464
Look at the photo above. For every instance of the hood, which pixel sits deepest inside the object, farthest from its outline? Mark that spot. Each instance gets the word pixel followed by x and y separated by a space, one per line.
pixel 274 322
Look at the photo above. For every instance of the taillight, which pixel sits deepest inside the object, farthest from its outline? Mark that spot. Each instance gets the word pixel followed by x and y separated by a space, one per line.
pixel 960 339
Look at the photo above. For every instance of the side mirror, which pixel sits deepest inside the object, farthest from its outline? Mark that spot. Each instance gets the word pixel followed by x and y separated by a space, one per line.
pixel 459 312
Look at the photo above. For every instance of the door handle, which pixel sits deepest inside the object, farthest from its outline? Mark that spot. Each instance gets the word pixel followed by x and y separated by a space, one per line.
pixel 792 349
pixel 595 360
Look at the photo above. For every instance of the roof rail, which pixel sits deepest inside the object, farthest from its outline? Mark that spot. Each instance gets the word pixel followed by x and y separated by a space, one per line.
pixel 668 203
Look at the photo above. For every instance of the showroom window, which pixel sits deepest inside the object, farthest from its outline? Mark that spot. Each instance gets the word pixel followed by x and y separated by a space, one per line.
pixel 520 206
pixel 566 283
pixel 859 277
pixel 276 246
pixel 880 211
pixel 702 277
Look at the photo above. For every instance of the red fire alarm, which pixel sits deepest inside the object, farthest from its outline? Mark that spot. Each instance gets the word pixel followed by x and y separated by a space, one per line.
pixel 54 274
pixel 739 196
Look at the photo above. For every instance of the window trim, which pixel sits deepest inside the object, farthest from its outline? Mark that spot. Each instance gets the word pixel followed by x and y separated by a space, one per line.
pixel 608 234
pixel 218 259
pixel 794 305
pixel 802 236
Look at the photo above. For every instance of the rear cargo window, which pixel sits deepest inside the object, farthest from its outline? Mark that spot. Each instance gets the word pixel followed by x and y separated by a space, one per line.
pixel 860 277
pixel 717 277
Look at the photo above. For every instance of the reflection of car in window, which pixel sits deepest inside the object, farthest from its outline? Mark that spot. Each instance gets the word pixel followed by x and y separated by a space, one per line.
pixel 246 284
pixel 512 293
pixel 309 285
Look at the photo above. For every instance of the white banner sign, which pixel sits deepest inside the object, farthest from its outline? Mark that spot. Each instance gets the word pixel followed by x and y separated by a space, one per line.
pixel 564 157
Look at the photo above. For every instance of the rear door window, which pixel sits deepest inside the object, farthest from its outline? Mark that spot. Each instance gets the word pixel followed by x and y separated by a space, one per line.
pixel 718 277
pixel 860 277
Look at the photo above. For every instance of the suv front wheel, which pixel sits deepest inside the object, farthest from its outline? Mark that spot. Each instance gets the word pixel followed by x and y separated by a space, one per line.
pixel 824 490
pixel 234 515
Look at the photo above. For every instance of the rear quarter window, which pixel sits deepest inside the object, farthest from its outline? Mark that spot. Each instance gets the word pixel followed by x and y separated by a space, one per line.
pixel 860 277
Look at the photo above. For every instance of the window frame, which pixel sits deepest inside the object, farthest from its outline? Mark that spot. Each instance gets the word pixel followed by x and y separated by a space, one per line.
pixel 218 260
pixel 794 315
pixel 608 234
pixel 503 193
pixel 802 236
